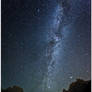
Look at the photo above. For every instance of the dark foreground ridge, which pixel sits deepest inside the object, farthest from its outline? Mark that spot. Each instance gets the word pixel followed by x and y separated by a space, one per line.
pixel 77 86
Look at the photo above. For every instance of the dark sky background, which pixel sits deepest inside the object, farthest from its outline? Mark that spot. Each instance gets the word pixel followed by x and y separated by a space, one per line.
pixel 28 27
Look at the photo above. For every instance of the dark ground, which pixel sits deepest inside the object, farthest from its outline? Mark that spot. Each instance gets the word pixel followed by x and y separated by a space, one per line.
pixel 77 86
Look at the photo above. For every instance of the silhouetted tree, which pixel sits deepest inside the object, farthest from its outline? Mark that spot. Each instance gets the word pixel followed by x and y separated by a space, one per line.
pixel 79 86
pixel 12 89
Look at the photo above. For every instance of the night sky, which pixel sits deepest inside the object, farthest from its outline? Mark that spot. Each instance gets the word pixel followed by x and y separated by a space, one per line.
pixel 46 44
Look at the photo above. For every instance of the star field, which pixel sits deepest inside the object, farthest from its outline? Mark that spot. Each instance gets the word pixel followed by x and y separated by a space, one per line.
pixel 46 44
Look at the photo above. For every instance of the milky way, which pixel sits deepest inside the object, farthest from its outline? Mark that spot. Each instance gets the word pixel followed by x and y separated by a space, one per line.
pixel 52 48
pixel 45 43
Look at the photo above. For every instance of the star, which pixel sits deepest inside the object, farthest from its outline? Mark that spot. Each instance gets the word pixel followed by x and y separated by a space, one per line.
pixel 87 71
pixel 21 44
pixel 10 34
pixel 71 77
pixel 86 54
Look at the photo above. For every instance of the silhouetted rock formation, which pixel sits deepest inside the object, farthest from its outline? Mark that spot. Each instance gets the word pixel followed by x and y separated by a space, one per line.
pixel 79 86
pixel 12 89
